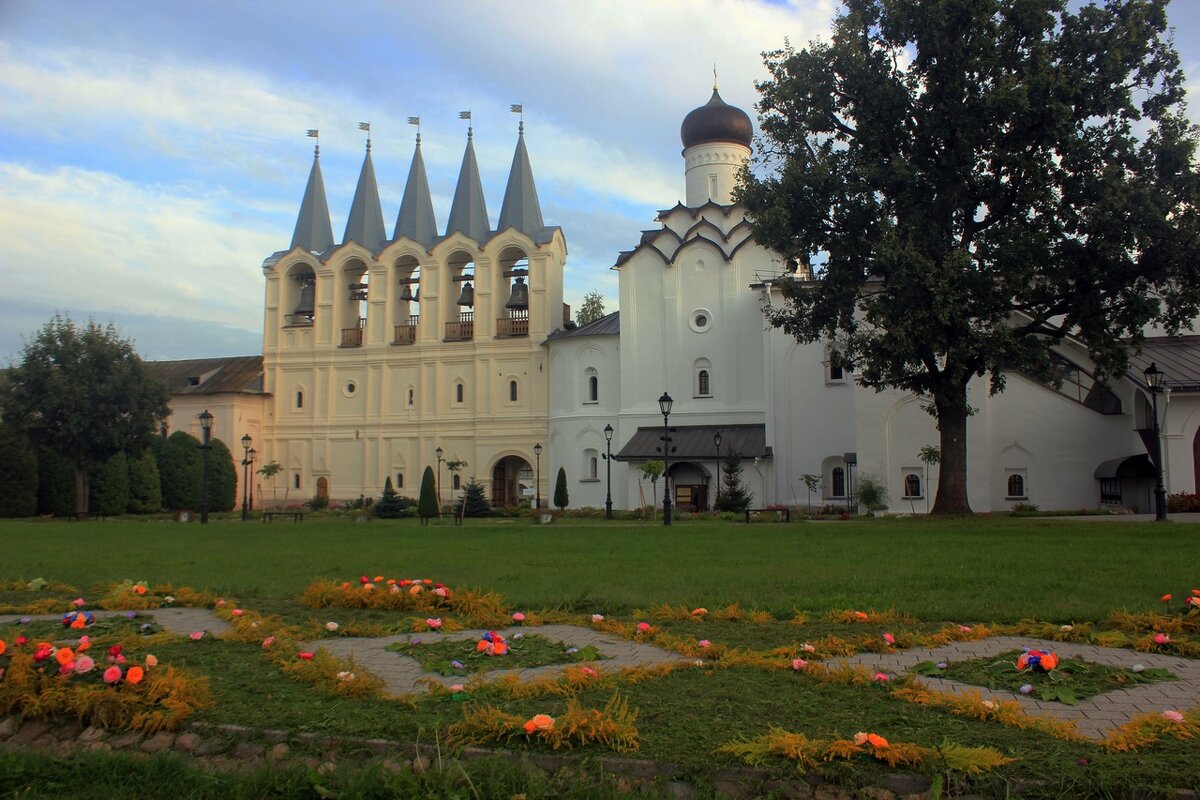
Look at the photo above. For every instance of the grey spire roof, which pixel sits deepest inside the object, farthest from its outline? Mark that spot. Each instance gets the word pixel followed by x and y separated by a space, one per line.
pixel 521 209
pixel 415 219
pixel 365 225
pixel 313 231
pixel 468 214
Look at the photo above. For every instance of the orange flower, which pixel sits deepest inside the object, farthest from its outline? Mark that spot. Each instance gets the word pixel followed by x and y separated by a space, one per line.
pixel 140 589
pixel 530 727
pixel 64 655
pixel 84 644
pixel 79 622
pixel 379 579
pixel 500 648
pixel 1166 598
pixel 1049 661
pixel 134 675
pixel 539 722
pixel 875 740
pixel 481 646
pixel 3 647
pixel 860 615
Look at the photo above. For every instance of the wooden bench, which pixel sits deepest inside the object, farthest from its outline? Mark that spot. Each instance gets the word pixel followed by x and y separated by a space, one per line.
pixel 786 512
pixel 297 516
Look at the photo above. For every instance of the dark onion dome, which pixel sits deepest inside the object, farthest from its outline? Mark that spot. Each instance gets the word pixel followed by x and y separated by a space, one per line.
pixel 716 121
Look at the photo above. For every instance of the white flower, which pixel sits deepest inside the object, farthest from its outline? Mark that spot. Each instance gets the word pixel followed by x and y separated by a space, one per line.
pixel 597 617
pixel 331 626
pixel 990 705
pixel 808 648
pixel 168 599
pixel 1066 627
pixel 1138 667
pixel 345 676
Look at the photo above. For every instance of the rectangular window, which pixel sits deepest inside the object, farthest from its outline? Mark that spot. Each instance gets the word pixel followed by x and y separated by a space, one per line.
pixel 399 480
pixel 296 481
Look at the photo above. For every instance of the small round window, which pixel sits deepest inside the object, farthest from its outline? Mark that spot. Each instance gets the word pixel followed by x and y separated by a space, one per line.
pixel 351 387
pixel 701 320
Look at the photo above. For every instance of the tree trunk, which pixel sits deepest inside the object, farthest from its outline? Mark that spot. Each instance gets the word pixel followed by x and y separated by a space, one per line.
pixel 952 478
pixel 81 490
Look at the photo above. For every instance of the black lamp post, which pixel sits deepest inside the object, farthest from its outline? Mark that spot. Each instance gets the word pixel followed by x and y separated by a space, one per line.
pixel 246 440
pixel 608 433
pixel 537 476
pixel 1154 381
pixel 717 442
pixel 664 405
pixel 206 423
pixel 253 456
pixel 438 453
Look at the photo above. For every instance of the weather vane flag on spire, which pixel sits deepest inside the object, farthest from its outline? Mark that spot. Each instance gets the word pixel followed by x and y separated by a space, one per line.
pixel 519 108
pixel 313 133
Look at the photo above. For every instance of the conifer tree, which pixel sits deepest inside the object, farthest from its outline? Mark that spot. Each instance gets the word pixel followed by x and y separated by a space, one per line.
pixel 427 504
pixel 473 502
pixel 734 496
pixel 390 505
pixel 561 498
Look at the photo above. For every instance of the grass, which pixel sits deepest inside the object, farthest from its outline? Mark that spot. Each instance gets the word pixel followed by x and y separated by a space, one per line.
pixel 1079 678
pixel 933 571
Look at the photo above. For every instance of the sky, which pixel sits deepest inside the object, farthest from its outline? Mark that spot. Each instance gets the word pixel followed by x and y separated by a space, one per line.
pixel 152 154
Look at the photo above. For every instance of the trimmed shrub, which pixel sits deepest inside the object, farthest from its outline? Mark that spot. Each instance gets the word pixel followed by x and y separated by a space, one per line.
pixel 145 490
pixel 427 505
pixel 222 478
pixel 179 470
pixel 18 475
pixel 561 498
pixel 108 486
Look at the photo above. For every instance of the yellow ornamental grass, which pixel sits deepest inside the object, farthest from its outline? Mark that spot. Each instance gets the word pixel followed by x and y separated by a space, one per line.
pixel 611 727
pixel 971 704
pixel 45 605
pixel 480 609
pixel 798 618
pixel 852 616
pixel 1149 728
pixel 419 625
pixel 666 612
pixel 325 671
pixel 1149 622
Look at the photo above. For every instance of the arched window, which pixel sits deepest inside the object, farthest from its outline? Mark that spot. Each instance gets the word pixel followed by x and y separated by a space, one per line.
pixel 591 464
pixel 702 369
pixel 1016 485
pixel 835 364
pixel 838 483
pixel 592 386
pixel 912 485
pixel 458 392
pixel 456 482
pixel 512 391
pixel 299 398
pixel 411 395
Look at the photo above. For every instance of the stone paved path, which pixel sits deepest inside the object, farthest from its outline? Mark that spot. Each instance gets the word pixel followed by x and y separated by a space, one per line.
pixel 400 673
pixel 1095 716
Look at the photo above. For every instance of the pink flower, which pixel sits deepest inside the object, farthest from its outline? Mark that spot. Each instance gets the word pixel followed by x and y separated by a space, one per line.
pixel 196 636
pixel 704 643
pixel 880 677
pixel 112 674
pixel 78 602
pixel 151 661
pixel 267 642
pixel 220 602
pixel 237 612
pixel 456 687
pixel 331 626
pixel 434 623
pixel 1174 716
pixel 84 664
pixel 643 627
pixel 887 637
pixel 1161 638
pixel 799 664
pixel 591 673
pixel 965 628
pixel 597 618
pixel 518 617
pixel 67 668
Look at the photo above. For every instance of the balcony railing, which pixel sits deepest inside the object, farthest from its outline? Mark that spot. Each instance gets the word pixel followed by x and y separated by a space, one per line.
pixel 406 333
pixel 515 325
pixel 463 329
pixel 353 337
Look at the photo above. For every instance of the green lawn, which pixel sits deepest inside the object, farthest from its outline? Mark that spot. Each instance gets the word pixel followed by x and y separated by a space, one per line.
pixel 988 569
pixel 963 570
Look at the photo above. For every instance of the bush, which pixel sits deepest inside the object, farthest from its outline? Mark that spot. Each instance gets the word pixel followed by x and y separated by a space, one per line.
pixel 1183 502
pixel 871 492
pixel 427 505
pixel 317 503
pixel 145 489
pixel 56 484
pixel 222 478
pixel 1024 508
pixel 18 475
pixel 179 470
pixel 561 498
pixel 109 486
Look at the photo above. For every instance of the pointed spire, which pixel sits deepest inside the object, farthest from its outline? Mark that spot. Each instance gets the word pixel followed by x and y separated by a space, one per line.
pixel 313 231
pixel 415 219
pixel 365 225
pixel 468 214
pixel 521 209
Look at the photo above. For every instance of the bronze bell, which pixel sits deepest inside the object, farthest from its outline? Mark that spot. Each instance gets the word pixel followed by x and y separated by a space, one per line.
pixel 519 298
pixel 308 292
pixel 467 298
pixel 407 294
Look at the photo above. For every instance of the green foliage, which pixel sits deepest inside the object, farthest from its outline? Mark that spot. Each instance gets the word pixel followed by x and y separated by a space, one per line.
pixel 930 455
pixel 18 474
pixel 652 470
pixel 56 484
pixel 734 495
pixel 390 505
pixel 475 500
pixel 109 486
pixel 427 503
pixel 145 489
pixel 871 492
pixel 561 498
pixel 222 478
pixel 591 309
pixel 974 183
pixel 179 470
pixel 83 392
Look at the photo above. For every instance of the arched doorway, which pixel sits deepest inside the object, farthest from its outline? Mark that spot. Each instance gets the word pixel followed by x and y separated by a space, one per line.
pixel 689 483
pixel 323 488
pixel 512 482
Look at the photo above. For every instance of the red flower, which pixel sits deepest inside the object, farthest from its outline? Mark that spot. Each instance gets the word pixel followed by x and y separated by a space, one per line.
pixel 306 656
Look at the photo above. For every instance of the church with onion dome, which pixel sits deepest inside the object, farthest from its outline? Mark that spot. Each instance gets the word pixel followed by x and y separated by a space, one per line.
pixel 452 348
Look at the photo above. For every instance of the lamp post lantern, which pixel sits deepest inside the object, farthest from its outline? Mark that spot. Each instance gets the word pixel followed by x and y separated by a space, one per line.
pixel 717 442
pixel 246 441
pixel 608 434
pixel 438 453
pixel 537 476
pixel 253 457
pixel 206 423
pixel 664 405
pixel 1154 382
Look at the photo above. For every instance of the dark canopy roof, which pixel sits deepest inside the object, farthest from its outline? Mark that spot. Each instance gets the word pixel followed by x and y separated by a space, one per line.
pixel 693 442
pixel 1138 466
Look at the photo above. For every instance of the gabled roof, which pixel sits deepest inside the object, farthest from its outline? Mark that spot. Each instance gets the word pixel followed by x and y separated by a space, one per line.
pixel 521 209
pixel 468 213
pixel 692 442
pixel 608 325
pixel 415 220
pixel 1177 356
pixel 231 375
pixel 313 230
pixel 365 225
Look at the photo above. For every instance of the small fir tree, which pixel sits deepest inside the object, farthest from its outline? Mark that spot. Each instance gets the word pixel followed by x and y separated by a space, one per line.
pixel 474 502
pixel 390 505
pixel 561 498
pixel 734 496
pixel 427 504
pixel 145 489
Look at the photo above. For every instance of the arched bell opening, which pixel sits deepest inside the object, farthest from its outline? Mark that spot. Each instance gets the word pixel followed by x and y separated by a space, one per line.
pixel 512 482
pixel 511 297
pixel 406 310
pixel 352 304
pixel 298 296
pixel 460 316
